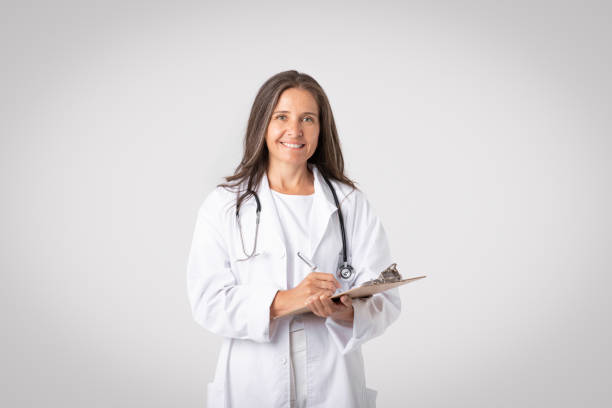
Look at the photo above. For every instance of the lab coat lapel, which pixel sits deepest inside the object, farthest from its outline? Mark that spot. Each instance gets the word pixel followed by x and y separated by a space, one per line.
pixel 270 224
pixel 323 207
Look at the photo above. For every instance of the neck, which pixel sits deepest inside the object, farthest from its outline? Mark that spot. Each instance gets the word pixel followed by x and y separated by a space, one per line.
pixel 289 179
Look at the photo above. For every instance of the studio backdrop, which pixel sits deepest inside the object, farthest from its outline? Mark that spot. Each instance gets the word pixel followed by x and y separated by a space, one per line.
pixel 479 131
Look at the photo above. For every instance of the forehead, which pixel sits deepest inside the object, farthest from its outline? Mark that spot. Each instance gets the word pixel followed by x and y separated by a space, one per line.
pixel 296 99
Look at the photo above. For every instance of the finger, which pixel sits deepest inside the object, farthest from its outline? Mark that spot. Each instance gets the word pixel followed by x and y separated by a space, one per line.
pixel 325 277
pixel 314 290
pixel 346 301
pixel 310 305
pixel 320 304
pixel 327 304
pixel 314 305
pixel 326 286
pixel 335 305
pixel 338 306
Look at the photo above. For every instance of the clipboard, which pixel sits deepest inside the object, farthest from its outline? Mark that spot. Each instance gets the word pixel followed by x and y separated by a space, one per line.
pixel 360 292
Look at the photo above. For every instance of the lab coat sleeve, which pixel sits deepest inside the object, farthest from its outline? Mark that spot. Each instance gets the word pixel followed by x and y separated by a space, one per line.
pixel 371 255
pixel 218 302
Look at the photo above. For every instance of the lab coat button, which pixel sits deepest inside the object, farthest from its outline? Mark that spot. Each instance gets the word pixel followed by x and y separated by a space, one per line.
pixel 284 360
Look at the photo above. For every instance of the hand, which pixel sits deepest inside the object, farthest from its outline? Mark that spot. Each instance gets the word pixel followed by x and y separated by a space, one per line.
pixel 322 305
pixel 314 283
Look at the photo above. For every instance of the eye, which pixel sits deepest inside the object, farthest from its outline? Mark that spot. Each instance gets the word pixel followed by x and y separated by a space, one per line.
pixel 281 116
pixel 309 118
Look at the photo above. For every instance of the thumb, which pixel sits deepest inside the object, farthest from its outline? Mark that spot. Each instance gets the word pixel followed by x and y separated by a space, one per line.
pixel 346 300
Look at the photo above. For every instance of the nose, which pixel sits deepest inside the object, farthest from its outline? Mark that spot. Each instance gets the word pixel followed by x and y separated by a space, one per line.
pixel 294 128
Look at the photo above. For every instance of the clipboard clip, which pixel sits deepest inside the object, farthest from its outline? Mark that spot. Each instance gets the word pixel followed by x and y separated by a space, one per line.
pixel 391 274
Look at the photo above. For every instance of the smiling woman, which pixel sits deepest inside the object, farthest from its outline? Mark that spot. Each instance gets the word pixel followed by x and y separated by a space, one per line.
pixel 291 183
pixel 291 108
pixel 292 137
pixel 293 132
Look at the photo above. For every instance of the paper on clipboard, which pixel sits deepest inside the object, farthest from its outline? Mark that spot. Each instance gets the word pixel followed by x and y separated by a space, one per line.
pixel 358 292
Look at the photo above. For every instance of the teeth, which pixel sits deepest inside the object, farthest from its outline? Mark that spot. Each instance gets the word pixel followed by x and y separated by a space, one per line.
pixel 295 146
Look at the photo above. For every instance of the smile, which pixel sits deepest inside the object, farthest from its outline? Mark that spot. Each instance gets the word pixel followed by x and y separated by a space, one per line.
pixel 292 146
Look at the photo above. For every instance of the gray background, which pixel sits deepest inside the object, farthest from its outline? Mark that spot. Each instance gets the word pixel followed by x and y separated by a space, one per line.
pixel 480 131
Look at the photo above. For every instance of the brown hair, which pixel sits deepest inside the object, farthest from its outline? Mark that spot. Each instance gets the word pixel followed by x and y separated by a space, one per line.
pixel 327 157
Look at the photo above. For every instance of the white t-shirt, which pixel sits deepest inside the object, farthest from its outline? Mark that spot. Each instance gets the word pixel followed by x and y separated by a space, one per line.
pixel 294 217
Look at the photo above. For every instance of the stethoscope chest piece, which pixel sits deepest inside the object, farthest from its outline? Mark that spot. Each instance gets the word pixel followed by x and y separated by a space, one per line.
pixel 345 271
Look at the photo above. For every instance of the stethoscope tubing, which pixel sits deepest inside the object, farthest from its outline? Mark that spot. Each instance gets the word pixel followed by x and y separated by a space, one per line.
pixel 341 219
pixel 346 269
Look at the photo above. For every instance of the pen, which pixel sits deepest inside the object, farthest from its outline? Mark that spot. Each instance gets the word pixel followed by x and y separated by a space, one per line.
pixel 308 262
pixel 313 267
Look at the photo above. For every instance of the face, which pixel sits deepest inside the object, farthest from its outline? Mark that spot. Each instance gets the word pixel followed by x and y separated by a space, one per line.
pixel 293 131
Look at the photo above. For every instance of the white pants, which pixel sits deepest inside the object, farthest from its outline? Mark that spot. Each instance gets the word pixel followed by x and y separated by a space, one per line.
pixel 297 340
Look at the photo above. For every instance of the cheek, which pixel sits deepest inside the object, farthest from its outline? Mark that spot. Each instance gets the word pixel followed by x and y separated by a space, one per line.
pixel 270 137
pixel 314 142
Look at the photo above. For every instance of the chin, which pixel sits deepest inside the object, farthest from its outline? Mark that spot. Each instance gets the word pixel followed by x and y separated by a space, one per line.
pixel 293 160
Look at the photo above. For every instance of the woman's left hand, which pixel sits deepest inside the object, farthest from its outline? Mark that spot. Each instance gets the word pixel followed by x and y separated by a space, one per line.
pixel 323 306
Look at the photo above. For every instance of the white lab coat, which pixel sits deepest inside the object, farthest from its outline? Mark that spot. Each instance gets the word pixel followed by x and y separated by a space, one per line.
pixel 233 299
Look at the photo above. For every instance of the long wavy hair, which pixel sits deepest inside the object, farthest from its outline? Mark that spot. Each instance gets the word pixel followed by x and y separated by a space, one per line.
pixel 327 157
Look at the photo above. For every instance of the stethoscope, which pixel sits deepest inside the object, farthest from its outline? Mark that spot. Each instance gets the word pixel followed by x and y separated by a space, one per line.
pixel 345 270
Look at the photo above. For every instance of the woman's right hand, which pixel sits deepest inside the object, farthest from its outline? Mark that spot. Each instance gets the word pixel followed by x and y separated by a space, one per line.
pixel 314 283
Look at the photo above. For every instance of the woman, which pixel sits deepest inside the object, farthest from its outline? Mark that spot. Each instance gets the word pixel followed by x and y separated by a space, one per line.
pixel 244 271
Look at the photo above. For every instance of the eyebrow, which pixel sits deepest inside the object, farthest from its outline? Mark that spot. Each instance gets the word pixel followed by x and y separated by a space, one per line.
pixel 305 113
